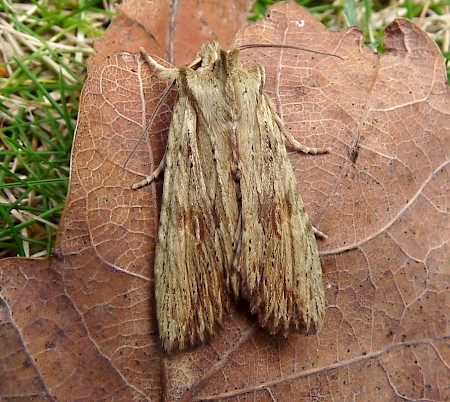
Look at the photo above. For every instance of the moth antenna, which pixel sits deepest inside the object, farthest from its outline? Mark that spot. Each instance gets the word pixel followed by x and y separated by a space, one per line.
pixel 152 119
pixel 254 45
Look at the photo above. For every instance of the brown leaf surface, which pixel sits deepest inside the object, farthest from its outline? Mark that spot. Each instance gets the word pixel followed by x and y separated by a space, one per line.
pixel 81 325
pixel 172 30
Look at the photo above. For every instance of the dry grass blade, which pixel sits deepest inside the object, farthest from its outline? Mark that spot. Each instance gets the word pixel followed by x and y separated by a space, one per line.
pixel 43 56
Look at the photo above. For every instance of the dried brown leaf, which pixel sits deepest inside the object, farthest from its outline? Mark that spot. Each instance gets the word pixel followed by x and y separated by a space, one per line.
pixel 172 30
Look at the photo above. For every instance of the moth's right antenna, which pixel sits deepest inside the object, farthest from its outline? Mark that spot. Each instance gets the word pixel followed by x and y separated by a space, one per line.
pixel 254 45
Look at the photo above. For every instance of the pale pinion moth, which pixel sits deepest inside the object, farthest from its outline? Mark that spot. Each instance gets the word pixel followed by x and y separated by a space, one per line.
pixel 232 222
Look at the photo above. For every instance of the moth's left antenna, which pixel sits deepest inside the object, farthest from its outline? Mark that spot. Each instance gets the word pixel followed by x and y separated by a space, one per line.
pixel 152 119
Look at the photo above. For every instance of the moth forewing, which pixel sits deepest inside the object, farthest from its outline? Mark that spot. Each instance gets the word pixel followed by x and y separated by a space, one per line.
pixel 279 264
pixel 198 213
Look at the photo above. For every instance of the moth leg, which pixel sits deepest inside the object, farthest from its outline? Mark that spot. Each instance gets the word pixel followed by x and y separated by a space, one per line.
pixel 168 74
pixel 302 148
pixel 298 146
pixel 153 176
pixel 319 233
pixel 294 143
pixel 152 62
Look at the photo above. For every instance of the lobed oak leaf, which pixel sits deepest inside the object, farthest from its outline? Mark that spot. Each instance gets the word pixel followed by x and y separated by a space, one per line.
pixel 82 324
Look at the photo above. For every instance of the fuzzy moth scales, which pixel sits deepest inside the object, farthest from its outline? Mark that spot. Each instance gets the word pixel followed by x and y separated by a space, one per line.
pixel 232 222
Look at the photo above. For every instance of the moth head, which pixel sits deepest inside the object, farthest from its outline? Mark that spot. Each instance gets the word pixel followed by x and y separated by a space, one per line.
pixel 209 53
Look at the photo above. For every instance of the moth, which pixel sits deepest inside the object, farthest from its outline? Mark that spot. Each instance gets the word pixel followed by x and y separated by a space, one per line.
pixel 232 222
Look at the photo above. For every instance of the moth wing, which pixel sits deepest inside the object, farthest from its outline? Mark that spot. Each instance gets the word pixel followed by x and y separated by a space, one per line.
pixel 194 240
pixel 279 263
